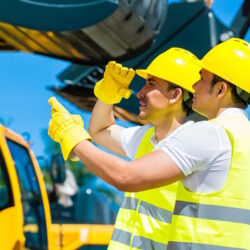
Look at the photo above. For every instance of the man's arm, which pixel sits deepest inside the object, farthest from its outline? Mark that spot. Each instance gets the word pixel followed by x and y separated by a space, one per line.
pixel 150 171
pixel 103 129
pixel 110 90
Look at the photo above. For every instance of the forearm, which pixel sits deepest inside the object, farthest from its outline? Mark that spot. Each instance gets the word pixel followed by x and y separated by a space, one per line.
pixel 150 171
pixel 102 117
pixel 110 168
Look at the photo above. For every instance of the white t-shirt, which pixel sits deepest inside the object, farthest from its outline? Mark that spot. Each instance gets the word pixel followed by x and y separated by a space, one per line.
pixel 201 150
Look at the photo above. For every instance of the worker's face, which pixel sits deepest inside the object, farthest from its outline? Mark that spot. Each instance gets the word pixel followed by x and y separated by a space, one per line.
pixel 203 93
pixel 154 99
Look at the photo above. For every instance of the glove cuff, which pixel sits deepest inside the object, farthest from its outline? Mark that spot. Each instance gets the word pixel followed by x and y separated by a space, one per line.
pixel 70 139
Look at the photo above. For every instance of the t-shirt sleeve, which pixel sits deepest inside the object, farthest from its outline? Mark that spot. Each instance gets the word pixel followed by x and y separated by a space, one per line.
pixel 195 147
pixel 131 138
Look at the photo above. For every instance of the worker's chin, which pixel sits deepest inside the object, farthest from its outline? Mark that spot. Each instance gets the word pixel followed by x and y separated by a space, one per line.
pixel 143 115
pixel 198 110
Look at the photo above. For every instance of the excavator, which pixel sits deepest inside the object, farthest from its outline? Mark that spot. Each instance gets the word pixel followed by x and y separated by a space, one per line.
pixel 91 33
pixel 25 212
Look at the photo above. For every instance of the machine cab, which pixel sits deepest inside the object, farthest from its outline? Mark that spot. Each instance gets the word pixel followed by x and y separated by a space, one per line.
pixel 23 220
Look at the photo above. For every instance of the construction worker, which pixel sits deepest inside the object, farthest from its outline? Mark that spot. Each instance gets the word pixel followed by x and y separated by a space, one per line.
pixel 211 157
pixel 220 220
pixel 144 217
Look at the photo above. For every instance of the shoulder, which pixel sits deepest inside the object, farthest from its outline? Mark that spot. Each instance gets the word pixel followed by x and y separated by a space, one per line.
pixel 202 132
pixel 195 146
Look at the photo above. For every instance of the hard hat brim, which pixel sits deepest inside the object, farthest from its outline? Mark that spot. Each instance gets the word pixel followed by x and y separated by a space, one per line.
pixel 142 73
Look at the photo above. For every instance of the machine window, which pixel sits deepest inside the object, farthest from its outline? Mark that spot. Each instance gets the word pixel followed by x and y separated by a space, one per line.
pixel 6 198
pixel 33 211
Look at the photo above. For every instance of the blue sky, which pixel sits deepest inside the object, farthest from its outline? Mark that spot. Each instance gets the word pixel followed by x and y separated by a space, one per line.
pixel 25 78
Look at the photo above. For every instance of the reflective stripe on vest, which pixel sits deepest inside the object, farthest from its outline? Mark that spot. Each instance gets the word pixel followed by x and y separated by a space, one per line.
pixel 138 241
pixel 144 218
pixel 196 246
pixel 218 220
pixel 147 209
pixel 212 212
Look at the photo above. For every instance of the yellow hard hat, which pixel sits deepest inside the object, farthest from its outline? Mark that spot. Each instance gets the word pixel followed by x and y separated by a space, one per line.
pixel 230 60
pixel 175 65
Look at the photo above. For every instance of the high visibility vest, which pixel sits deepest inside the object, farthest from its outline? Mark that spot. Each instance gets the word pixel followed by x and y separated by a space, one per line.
pixel 220 220
pixel 144 217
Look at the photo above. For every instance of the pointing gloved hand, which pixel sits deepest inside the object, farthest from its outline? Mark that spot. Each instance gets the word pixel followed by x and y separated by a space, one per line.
pixel 66 129
pixel 115 84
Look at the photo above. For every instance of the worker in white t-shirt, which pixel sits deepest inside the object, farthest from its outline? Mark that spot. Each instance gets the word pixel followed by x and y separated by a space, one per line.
pixel 212 209
pixel 167 96
pixel 211 158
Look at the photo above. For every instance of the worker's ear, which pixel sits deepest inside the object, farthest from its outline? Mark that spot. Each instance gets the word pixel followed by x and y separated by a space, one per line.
pixel 220 89
pixel 176 94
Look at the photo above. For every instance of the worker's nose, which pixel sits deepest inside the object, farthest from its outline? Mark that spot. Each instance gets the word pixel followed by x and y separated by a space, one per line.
pixel 141 92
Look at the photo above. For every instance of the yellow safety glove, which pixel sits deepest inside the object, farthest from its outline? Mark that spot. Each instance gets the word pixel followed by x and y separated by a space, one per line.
pixel 115 84
pixel 66 129
pixel 58 107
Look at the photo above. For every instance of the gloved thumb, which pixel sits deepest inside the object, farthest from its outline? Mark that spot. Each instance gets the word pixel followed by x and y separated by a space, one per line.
pixel 57 106
pixel 125 93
